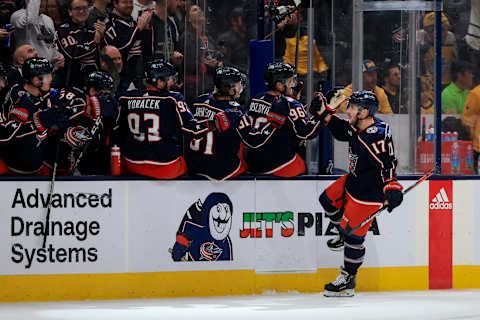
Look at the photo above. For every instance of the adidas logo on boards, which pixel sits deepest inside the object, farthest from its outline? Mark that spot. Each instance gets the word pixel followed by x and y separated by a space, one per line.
pixel 441 201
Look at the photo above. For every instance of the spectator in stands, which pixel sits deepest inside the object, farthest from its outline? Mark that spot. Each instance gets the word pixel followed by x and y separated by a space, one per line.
pixel 285 29
pixel 449 47
pixel 203 58
pixel 111 61
pixel 7 7
pixel 471 118
pixel 391 86
pixel 160 40
pixel 22 53
pixel 455 94
pixel 234 44
pixel 35 28
pixel 370 83
pixel 427 105
pixel 180 15
pixel 79 43
pixel 319 66
pixel 99 12
pixel 140 6
pixel 56 10
pixel 124 33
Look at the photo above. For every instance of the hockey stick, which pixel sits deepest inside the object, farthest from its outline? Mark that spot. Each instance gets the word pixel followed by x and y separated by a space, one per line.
pixel 349 230
pixel 50 195
pixel 94 130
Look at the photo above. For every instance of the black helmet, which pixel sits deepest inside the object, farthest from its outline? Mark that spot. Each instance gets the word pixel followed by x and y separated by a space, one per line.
pixel 159 69
pixel 227 77
pixel 365 100
pixel 34 67
pixel 277 72
pixel 99 80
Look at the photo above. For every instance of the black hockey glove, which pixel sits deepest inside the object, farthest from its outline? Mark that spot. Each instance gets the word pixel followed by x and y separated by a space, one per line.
pixel 108 105
pixel 319 107
pixel 180 247
pixel 393 194
pixel 53 118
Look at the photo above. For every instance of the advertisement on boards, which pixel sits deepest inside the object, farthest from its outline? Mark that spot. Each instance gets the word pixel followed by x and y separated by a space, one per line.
pixel 269 226
pixel 440 233
pixel 85 229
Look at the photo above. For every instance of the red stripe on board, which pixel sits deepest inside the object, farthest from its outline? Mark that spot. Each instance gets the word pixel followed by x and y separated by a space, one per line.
pixel 440 234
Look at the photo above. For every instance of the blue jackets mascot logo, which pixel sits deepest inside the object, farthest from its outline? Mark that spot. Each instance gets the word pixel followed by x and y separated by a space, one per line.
pixel 203 234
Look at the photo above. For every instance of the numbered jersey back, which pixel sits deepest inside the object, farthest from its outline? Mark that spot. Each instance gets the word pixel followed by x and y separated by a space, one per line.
pixel 279 147
pixel 215 155
pixel 149 123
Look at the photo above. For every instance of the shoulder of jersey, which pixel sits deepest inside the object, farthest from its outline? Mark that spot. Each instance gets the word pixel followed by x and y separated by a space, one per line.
pixel 177 95
pixel 65 25
pixel 204 98
pixel 132 93
pixel 291 100
pixel 377 131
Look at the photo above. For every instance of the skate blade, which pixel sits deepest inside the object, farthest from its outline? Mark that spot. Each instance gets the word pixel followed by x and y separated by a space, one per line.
pixel 336 249
pixel 344 293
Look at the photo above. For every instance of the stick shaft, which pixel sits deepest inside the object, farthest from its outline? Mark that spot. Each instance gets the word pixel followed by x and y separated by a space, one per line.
pixel 376 213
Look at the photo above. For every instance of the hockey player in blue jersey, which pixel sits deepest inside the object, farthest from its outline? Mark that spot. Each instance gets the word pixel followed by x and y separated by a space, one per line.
pixel 203 234
pixel 150 121
pixel 370 183
pixel 32 103
pixel 218 156
pixel 279 124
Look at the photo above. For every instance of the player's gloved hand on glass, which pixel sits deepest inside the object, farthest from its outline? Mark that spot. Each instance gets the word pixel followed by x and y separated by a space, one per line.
pixel 53 118
pixel 180 247
pixel 335 97
pixel 393 194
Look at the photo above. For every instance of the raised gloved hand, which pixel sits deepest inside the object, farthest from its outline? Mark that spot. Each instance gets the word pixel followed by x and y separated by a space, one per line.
pixel 225 120
pixel 53 118
pixel 393 194
pixel 335 97
pixel 180 247
pixel 319 107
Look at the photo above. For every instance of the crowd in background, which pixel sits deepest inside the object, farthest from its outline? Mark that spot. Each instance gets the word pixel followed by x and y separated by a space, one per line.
pixel 199 36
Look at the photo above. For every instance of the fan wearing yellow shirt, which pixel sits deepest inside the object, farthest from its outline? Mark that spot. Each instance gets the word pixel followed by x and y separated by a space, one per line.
pixel 370 83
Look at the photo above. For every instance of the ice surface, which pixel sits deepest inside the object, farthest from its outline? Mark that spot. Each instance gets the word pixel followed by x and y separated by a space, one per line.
pixel 417 305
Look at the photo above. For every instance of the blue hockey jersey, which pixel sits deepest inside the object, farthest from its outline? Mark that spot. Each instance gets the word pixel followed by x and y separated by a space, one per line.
pixel 371 156
pixel 270 147
pixel 216 154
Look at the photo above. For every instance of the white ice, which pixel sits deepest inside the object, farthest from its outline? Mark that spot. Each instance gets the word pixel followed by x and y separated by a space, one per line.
pixel 417 305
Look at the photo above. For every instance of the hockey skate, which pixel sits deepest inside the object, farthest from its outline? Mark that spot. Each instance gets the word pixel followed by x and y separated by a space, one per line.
pixel 343 286
pixel 336 244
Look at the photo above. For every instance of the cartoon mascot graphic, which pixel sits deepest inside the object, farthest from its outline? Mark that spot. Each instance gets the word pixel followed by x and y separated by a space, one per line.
pixel 203 232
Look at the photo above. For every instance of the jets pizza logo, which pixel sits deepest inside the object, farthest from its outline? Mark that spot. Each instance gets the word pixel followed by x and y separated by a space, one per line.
pixel 203 234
